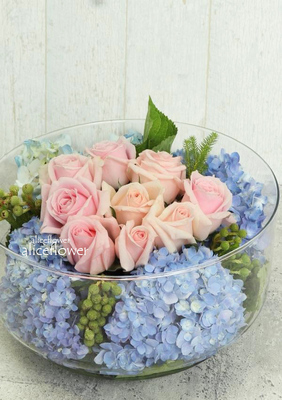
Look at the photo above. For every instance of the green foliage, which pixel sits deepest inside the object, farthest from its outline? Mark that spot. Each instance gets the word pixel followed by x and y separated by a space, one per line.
pixel 196 155
pixel 159 131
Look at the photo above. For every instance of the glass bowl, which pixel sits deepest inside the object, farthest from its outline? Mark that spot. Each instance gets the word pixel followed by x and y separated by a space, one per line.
pixel 161 323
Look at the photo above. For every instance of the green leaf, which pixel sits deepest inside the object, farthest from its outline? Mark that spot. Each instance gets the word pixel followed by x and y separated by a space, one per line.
pixel 195 155
pixel 165 145
pixel 158 128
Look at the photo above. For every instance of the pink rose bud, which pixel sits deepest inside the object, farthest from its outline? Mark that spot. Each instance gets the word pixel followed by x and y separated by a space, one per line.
pixel 89 243
pixel 212 196
pixel 134 245
pixel 116 156
pixel 178 225
pixel 69 197
pixel 134 201
pixel 72 166
pixel 150 166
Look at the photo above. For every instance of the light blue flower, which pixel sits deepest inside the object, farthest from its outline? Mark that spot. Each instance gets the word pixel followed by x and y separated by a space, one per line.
pixel 134 136
pixel 186 316
pixel 248 201
pixel 36 153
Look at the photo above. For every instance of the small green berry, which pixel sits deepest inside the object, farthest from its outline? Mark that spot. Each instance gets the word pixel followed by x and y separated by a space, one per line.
pixel 93 325
pixel 223 232
pixel 97 307
pixel 18 211
pixel 99 338
pixel 256 263
pixel 107 309
pixel 96 298
pixel 38 203
pixel 14 189
pixel 244 273
pixel 237 240
pixel 87 304
pixel 234 227
pixel 4 214
pixel 116 290
pixel 80 327
pixel 242 233
pixel 245 259
pixel 88 334
pixel 112 301
pixel 27 189
pixel 101 321
pixel 93 289
pixel 225 245
pixel 84 321
pixel 92 315
pixel 104 300
pixel 89 343
pixel 106 286
pixel 15 200
pixel 2 194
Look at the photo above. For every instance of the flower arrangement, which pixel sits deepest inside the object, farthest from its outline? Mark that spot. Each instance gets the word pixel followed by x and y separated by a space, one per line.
pixel 131 207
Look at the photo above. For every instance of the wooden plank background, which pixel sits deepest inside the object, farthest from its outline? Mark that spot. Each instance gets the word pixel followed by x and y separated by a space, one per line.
pixel 209 62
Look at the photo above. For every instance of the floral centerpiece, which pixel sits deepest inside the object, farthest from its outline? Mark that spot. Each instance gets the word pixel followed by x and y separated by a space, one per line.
pixel 118 259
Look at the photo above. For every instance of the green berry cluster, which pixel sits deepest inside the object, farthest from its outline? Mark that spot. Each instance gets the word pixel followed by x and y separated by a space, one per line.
pixel 227 239
pixel 242 266
pixel 95 309
pixel 17 209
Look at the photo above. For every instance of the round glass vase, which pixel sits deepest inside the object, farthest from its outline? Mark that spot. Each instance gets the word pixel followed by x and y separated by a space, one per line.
pixel 144 335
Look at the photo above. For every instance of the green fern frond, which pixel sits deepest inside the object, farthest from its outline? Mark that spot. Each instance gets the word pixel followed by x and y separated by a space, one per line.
pixel 196 155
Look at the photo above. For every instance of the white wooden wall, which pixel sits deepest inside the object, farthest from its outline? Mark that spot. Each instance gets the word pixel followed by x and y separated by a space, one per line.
pixel 216 63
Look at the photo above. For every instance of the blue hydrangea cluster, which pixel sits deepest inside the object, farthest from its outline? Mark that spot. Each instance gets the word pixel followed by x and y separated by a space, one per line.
pixel 134 136
pixel 183 316
pixel 36 153
pixel 248 201
pixel 37 305
pixel 42 248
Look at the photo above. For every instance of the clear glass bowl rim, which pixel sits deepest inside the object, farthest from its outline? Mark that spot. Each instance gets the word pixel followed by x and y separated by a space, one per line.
pixel 81 276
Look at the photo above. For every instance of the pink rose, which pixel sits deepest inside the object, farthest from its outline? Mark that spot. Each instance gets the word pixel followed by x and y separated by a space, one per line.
pixel 134 245
pixel 178 225
pixel 212 196
pixel 133 201
pixel 72 166
pixel 116 156
pixel 150 166
pixel 70 197
pixel 89 242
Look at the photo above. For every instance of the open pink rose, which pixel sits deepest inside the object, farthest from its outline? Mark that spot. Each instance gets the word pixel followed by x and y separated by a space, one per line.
pixel 116 156
pixel 72 166
pixel 212 196
pixel 134 245
pixel 177 225
pixel 150 166
pixel 70 197
pixel 133 201
pixel 89 242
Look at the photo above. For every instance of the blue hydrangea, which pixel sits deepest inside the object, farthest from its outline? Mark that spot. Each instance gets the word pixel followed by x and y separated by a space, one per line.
pixel 248 201
pixel 134 136
pixel 186 316
pixel 41 309
pixel 42 248
pixel 36 153
pixel 37 305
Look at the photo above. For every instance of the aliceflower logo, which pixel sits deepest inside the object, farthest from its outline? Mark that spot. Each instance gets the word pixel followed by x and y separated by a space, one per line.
pixel 50 246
